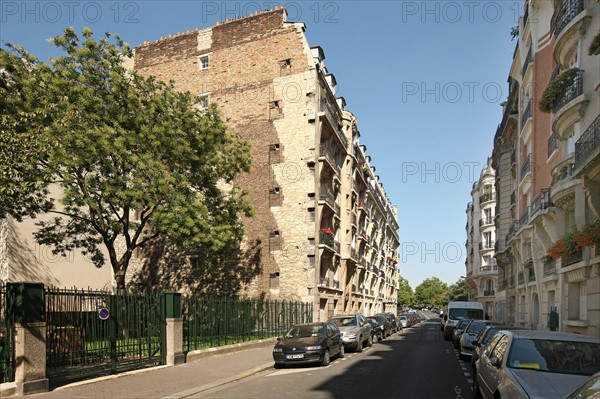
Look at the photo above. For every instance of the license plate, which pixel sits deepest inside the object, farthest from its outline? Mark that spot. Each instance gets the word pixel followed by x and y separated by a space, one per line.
pixel 294 356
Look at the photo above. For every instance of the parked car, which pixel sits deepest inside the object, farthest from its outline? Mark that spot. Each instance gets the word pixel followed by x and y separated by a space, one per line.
pixel 458 310
pixel 393 320
pixel 470 333
pixel 540 364
pixel 309 343
pixel 378 331
pixel 590 389
pixel 457 332
pixel 355 329
pixel 480 342
pixel 403 320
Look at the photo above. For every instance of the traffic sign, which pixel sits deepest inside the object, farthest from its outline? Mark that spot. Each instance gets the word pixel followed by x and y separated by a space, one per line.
pixel 103 313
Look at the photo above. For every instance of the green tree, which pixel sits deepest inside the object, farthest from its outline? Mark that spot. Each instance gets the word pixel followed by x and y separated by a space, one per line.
pixel 406 295
pixel 459 291
pixel 136 160
pixel 432 291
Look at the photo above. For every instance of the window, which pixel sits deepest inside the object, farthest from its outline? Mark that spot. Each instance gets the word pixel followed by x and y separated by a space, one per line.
pixel 203 101
pixel 577 301
pixel 203 61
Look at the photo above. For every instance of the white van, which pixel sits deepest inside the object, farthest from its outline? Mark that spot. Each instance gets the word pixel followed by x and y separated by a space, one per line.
pixel 458 310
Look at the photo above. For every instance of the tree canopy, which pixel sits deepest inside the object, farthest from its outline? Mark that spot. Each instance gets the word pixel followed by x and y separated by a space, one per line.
pixel 135 160
pixel 406 295
pixel 432 291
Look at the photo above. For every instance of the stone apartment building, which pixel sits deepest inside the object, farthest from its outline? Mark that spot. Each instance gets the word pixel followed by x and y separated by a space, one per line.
pixel 482 271
pixel 326 231
pixel 548 170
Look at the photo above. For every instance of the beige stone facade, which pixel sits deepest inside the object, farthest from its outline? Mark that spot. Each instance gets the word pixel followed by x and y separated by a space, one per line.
pixel 325 229
pixel 482 270
pixel 548 171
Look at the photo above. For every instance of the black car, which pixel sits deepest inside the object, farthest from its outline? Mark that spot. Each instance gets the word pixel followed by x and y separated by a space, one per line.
pixel 379 327
pixel 393 320
pixel 308 343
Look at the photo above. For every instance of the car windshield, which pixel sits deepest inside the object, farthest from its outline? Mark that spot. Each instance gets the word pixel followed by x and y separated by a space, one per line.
pixel 344 321
pixel 565 357
pixel 463 313
pixel 475 327
pixel 310 330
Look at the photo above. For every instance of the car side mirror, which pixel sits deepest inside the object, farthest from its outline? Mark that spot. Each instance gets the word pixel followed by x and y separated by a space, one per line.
pixel 494 361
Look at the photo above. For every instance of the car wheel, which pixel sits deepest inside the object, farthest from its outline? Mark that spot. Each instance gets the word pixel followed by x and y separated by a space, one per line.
pixel 359 345
pixel 476 391
pixel 326 358
pixel 342 352
pixel 370 341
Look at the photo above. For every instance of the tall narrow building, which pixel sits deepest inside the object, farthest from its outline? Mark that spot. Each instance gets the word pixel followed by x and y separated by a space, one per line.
pixel 546 153
pixel 324 227
pixel 482 271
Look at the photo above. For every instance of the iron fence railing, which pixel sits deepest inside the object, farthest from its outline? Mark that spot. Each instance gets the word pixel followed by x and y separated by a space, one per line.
pixel 82 344
pixel 217 321
pixel 572 258
pixel 7 361
pixel 552 143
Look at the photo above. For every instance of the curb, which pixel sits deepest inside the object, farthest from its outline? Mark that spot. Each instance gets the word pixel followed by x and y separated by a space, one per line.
pixel 222 381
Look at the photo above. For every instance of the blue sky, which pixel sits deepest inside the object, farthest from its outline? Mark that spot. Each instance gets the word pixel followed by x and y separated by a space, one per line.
pixel 424 78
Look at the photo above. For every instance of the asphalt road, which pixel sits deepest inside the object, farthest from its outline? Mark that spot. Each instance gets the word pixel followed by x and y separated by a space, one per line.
pixel 415 363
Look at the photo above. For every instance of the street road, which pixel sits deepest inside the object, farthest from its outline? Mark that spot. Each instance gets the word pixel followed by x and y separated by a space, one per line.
pixel 415 363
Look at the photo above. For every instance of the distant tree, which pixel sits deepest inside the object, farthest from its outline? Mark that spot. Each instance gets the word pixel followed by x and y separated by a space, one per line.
pixel 432 291
pixel 406 295
pixel 459 291
pixel 136 160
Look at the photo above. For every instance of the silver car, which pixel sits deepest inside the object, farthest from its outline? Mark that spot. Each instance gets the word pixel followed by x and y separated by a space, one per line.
pixel 535 364
pixel 355 329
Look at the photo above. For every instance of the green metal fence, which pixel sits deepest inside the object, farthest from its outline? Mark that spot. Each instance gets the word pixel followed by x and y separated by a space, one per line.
pixel 93 333
pixel 211 321
pixel 6 338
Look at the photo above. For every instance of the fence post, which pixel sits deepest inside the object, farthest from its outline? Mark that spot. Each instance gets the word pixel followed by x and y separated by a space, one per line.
pixel 27 308
pixel 174 329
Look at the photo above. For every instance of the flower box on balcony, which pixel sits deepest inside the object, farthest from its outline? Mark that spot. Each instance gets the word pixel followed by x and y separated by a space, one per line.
pixel 558 88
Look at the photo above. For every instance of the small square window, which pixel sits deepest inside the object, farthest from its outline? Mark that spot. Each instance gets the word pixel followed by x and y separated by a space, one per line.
pixel 203 101
pixel 203 61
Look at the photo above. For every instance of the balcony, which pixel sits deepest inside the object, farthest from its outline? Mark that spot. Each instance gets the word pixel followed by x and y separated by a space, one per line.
pixel 569 24
pixel 526 115
pixel 563 183
pixel 326 196
pixel 326 154
pixel 486 246
pixel 528 60
pixel 327 240
pixel 324 282
pixel 549 268
pixel 336 284
pixel 512 229
pixel 541 201
pixel 487 197
pixel 573 258
pixel 568 106
pixel 525 167
pixel 328 106
pixel 488 293
pixel 524 218
pixel 587 147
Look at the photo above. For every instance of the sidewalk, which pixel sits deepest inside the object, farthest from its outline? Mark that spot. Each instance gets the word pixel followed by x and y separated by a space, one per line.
pixel 210 368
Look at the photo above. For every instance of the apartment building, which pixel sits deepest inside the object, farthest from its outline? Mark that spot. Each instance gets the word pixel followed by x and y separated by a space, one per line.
pixel 482 271
pixel 547 160
pixel 323 224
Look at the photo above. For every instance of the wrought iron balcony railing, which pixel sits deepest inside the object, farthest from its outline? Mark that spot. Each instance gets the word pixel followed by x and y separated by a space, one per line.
pixel 571 92
pixel 541 201
pixel 526 114
pixel 588 143
pixel 569 10
pixel 552 144
pixel 525 167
